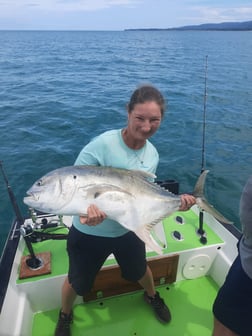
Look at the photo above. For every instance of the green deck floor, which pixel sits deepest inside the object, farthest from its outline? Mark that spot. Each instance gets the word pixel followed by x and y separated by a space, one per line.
pixel 190 302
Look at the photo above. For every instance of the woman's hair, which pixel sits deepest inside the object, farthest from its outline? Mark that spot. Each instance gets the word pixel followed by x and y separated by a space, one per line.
pixel 146 93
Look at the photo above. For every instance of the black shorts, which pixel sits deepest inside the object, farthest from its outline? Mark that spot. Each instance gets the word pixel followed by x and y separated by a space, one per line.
pixel 87 254
pixel 233 304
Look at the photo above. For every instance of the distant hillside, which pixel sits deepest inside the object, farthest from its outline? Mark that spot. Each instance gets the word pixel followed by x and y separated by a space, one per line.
pixel 240 26
pixel 219 26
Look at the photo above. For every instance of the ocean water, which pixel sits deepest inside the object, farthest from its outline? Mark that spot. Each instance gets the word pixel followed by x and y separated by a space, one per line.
pixel 59 89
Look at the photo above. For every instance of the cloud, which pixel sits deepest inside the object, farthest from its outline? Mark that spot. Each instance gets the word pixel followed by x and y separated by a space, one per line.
pixel 93 5
pixel 212 14
pixel 118 14
pixel 68 5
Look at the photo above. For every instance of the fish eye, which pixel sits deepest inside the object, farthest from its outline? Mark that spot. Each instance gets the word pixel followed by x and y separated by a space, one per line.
pixel 75 177
pixel 39 183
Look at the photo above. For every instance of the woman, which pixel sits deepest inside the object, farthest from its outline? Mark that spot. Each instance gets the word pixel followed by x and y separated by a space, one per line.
pixel 127 148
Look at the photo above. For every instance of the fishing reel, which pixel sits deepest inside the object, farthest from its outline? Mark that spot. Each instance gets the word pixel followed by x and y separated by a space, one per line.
pixel 45 221
pixel 33 230
pixel 35 227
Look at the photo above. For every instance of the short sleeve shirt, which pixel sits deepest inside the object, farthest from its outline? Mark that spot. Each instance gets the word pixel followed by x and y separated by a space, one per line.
pixel 109 149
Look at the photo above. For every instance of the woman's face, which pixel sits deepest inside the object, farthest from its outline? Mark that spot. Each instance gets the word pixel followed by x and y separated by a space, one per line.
pixel 144 120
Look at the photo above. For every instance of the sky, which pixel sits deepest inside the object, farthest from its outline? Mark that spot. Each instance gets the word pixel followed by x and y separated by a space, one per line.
pixel 118 14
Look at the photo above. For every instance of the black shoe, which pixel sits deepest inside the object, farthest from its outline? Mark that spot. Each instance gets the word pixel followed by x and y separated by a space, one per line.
pixel 63 325
pixel 161 310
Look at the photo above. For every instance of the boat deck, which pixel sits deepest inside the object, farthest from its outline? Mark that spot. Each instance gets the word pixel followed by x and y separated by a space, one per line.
pixel 182 276
pixel 190 302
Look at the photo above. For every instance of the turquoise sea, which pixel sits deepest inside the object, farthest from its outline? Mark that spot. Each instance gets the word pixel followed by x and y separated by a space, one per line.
pixel 58 89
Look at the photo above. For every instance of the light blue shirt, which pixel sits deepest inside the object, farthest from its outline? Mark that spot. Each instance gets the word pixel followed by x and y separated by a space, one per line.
pixel 109 149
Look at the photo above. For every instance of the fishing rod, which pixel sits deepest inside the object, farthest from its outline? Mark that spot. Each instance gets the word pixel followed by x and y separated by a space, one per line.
pixel 200 230
pixel 12 197
pixel 30 235
pixel 33 262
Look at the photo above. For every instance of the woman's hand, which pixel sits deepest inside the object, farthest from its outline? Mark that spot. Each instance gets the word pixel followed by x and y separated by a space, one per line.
pixel 94 216
pixel 187 201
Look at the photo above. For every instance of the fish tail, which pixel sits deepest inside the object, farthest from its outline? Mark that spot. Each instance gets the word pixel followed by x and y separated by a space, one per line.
pixel 200 184
pixel 203 202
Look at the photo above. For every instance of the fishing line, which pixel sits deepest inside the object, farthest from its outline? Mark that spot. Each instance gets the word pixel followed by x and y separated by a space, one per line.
pixel 200 230
pixel 204 120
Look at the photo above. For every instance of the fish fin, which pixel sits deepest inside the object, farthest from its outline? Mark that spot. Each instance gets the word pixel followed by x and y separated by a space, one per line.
pixel 202 201
pixel 206 206
pixel 140 173
pixel 200 184
pixel 144 234
pixel 94 191
pixel 143 174
pixel 156 232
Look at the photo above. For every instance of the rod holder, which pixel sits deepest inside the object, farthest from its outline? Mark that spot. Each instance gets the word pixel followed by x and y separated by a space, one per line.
pixel 201 232
pixel 33 262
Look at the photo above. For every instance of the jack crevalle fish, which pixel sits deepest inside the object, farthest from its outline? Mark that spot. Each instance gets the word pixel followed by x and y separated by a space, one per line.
pixel 126 196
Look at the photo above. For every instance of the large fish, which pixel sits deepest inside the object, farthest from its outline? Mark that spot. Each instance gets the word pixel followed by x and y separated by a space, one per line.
pixel 126 196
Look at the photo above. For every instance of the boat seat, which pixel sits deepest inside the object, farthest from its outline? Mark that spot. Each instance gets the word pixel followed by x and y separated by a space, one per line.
pixel 109 282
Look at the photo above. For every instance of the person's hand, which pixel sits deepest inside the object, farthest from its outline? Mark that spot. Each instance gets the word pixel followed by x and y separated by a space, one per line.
pixel 187 201
pixel 94 216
